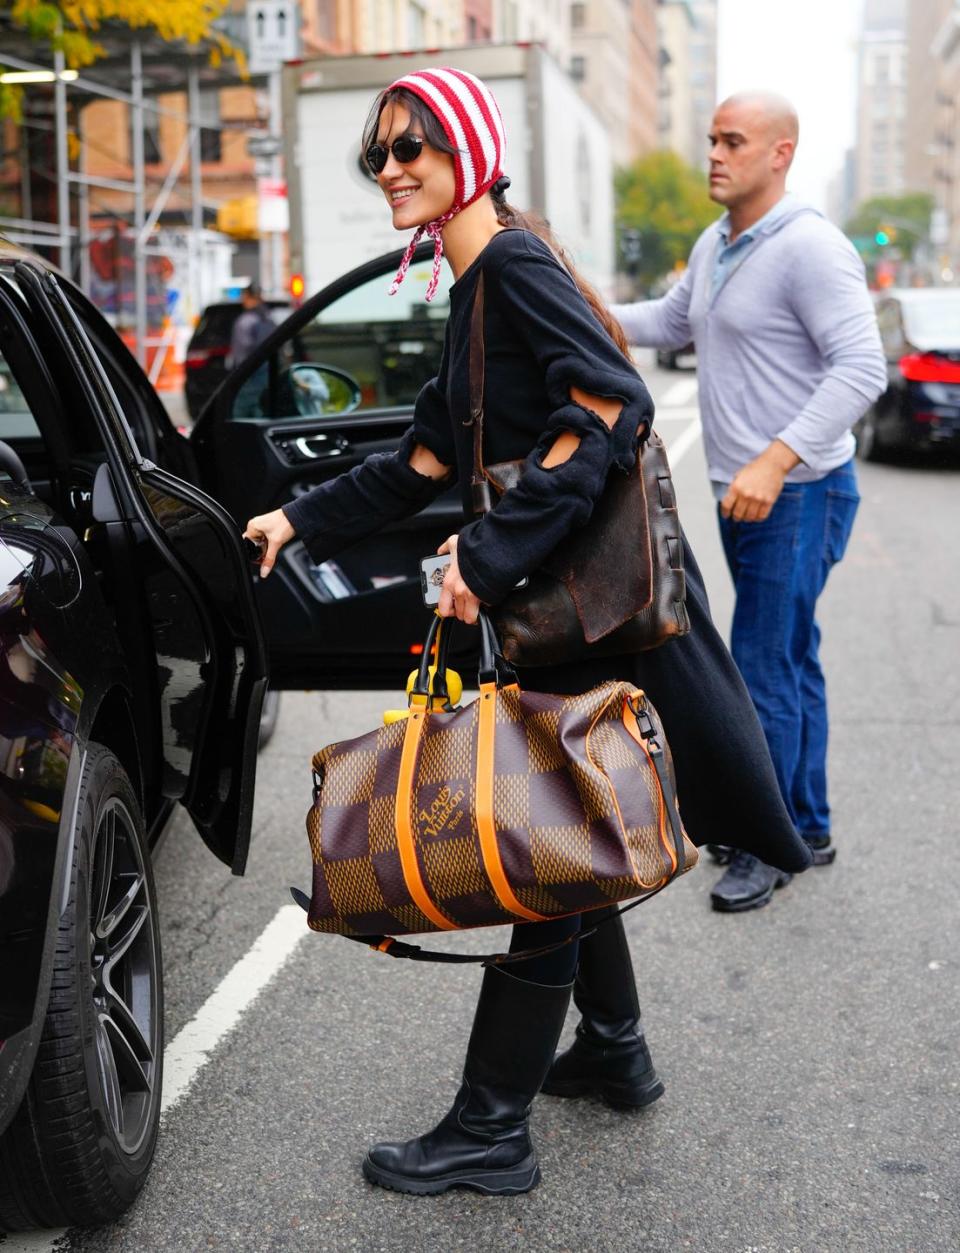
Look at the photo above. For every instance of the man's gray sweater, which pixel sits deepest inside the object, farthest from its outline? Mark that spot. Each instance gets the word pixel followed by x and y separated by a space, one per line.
pixel 787 349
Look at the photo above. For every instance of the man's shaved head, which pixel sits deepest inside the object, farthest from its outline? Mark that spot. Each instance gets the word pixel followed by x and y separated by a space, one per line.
pixel 752 142
pixel 773 111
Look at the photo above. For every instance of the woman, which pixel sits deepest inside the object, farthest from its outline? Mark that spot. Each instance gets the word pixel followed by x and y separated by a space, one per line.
pixel 560 391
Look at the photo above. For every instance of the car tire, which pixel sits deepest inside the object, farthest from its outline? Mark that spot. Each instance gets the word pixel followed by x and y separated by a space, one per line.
pixel 871 445
pixel 80 1146
pixel 268 717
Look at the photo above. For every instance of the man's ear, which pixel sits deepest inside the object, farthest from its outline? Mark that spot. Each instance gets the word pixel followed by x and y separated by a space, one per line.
pixel 783 154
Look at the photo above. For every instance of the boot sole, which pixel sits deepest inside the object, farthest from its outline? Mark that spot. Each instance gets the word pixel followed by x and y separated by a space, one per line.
pixel 511 1182
pixel 723 906
pixel 619 1095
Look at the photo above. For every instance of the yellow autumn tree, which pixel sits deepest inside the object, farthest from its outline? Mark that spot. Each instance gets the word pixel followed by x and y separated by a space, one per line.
pixel 72 26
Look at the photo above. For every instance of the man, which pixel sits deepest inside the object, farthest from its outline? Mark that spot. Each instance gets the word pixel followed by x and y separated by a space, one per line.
pixel 789 357
pixel 249 331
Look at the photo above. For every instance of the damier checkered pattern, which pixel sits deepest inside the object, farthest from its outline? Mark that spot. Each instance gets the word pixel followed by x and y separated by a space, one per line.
pixel 578 816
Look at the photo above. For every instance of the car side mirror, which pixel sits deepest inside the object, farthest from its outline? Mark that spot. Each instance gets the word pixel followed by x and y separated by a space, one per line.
pixel 319 391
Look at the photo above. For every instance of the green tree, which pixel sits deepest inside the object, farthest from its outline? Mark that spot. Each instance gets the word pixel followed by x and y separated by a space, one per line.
pixel 904 220
pixel 71 26
pixel 662 206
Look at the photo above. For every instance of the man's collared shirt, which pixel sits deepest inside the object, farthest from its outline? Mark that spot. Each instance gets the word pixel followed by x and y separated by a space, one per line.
pixel 730 257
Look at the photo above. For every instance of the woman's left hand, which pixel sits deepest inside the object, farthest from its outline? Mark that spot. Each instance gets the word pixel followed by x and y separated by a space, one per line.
pixel 456 599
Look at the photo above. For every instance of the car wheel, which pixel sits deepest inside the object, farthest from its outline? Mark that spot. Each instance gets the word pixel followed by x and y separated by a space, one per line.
pixel 871 445
pixel 80 1146
pixel 268 718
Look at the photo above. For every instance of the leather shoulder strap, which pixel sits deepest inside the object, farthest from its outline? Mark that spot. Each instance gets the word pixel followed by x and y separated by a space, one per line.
pixel 479 487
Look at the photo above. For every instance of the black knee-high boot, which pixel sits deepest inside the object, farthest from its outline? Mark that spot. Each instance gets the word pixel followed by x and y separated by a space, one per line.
pixel 484 1141
pixel 609 1056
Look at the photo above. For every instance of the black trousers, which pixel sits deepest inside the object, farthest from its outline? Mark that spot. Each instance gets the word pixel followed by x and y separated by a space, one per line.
pixel 554 969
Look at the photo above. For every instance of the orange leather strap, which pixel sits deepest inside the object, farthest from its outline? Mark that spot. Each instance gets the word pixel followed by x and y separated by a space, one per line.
pixel 404 825
pixel 486 828
pixel 630 724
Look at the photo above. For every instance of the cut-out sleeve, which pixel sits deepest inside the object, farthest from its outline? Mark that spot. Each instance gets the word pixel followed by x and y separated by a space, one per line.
pixel 381 489
pixel 541 302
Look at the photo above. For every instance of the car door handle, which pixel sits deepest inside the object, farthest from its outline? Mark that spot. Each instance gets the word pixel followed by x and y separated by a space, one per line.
pixel 321 447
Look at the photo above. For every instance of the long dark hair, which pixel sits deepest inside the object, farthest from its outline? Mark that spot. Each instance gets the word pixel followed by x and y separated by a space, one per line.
pixel 507 215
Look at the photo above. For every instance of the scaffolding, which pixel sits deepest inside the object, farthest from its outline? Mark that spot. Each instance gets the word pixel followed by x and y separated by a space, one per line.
pixel 136 69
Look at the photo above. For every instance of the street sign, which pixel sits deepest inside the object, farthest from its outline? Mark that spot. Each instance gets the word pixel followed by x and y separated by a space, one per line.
pixel 264 145
pixel 273 34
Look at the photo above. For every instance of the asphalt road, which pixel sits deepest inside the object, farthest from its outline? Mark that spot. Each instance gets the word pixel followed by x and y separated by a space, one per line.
pixel 809 1049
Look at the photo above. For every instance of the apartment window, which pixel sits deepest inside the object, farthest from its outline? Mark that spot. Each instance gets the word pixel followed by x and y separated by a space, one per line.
pixel 416 26
pixel 211 147
pixel 578 69
pixel 881 68
pixel 578 16
pixel 472 33
pixel 151 138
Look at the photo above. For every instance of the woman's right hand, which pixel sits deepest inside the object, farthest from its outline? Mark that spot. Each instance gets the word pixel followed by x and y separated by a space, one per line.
pixel 273 529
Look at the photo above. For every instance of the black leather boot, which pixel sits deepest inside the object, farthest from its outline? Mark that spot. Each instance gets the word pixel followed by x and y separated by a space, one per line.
pixel 609 1057
pixel 484 1141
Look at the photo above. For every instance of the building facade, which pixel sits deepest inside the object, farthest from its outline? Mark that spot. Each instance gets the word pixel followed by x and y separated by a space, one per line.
pixel 703 77
pixel 882 100
pixel 676 26
pixel 945 228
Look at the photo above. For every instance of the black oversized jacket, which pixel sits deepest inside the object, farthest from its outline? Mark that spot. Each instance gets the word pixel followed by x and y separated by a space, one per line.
pixel 542 339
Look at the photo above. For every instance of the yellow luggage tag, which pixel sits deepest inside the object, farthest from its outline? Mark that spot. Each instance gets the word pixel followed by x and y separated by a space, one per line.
pixel 437 703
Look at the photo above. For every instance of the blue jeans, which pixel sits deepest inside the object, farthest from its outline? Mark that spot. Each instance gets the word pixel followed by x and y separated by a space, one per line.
pixel 779 568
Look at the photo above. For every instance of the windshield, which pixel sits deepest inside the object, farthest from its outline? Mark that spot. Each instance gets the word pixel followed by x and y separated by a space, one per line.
pixel 933 321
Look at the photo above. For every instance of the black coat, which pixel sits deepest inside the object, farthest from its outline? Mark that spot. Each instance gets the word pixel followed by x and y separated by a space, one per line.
pixel 541 339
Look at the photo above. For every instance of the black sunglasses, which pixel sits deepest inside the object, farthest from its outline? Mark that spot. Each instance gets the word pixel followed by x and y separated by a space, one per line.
pixel 405 148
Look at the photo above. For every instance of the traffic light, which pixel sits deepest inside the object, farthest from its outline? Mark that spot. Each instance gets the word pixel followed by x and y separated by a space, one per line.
pixel 881 238
pixel 885 235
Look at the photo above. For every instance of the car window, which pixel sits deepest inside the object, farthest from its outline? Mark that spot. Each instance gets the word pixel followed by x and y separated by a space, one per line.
pixel 390 345
pixel 934 319
pixel 16 420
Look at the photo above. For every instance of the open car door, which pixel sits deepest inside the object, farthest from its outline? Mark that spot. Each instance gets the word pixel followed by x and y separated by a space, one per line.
pixel 189 623
pixel 336 382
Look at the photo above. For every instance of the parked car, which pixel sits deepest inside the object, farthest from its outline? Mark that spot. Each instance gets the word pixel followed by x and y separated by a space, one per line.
pixel 133 665
pixel 920 330
pixel 677 358
pixel 206 357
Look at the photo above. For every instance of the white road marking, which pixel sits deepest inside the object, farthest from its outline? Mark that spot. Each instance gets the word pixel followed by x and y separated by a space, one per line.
pixel 679 393
pixel 683 414
pixel 679 447
pixel 195 1043
pixel 224 1007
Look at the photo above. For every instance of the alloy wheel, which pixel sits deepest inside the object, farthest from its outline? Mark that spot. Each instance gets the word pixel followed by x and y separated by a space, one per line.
pixel 123 976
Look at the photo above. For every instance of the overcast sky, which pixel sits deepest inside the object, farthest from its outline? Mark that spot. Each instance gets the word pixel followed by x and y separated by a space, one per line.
pixel 808 53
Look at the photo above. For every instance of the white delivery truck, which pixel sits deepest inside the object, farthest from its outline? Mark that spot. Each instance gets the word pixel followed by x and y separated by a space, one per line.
pixel 558 156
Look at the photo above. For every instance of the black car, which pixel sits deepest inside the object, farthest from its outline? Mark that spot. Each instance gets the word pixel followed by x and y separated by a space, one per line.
pixel 134 661
pixel 920 330
pixel 205 363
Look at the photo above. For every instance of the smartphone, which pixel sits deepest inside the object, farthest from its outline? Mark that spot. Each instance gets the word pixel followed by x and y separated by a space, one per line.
pixel 432 571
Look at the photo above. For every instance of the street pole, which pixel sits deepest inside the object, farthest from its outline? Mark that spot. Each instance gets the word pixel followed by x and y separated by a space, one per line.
pixel 139 211
pixel 196 190
pixel 276 172
pixel 63 159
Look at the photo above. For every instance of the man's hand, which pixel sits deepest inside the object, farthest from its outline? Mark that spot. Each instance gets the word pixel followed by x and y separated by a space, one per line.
pixel 456 599
pixel 755 488
pixel 275 530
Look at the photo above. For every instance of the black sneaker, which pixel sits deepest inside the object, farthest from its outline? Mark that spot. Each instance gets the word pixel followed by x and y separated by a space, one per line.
pixel 722 854
pixel 748 883
pixel 822 848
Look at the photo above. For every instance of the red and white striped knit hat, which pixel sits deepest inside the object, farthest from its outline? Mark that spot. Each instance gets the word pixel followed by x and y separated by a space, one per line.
pixel 471 121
